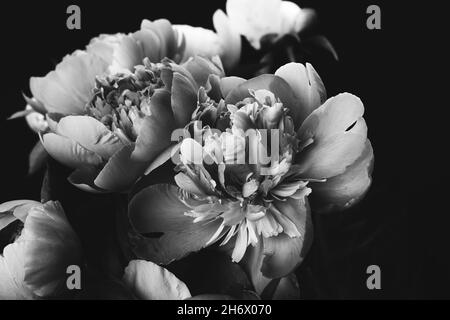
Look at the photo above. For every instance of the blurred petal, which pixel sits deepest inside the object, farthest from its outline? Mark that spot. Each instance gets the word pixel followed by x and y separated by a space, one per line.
pixel 13 272
pixel 291 17
pixel 91 134
pixel 346 189
pixel 84 178
pixel 230 39
pixel 338 134
pixel 254 18
pixel 68 152
pixel 307 86
pixel 201 69
pixel 149 281
pixel 158 210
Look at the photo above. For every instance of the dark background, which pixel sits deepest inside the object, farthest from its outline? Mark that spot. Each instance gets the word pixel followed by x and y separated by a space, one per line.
pixel 400 226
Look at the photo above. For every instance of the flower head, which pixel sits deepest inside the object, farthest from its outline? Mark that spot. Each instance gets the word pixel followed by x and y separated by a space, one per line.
pixel 68 88
pixel 127 122
pixel 34 264
pixel 266 144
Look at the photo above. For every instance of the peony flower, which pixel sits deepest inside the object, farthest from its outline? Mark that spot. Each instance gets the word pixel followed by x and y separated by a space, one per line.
pixel 267 144
pixel 127 123
pixel 256 19
pixel 68 88
pixel 34 265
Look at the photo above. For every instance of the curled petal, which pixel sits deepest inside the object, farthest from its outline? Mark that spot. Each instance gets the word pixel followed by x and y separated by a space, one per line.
pixel 275 84
pixel 346 189
pixel 148 281
pixel 122 52
pixel 158 213
pixel 91 134
pixel 150 43
pixel 336 115
pixel 12 210
pixel 338 134
pixel 69 152
pixel 166 37
pixel 35 265
pixel 84 178
pixel 307 87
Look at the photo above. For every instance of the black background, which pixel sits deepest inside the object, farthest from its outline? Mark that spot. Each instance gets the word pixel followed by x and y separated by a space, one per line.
pixel 400 226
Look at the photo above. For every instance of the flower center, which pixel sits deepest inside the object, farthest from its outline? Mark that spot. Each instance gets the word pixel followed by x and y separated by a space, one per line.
pixel 122 100
pixel 243 170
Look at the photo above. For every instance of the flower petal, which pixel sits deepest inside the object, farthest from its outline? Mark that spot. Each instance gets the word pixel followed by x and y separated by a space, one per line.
pixel 158 210
pixel 13 210
pixel 346 189
pixel 254 19
pixel 12 272
pixel 201 68
pixel 8 289
pixel 338 134
pixel 282 254
pixel 68 152
pixel 275 84
pixel 230 39
pixel 91 134
pixel 84 178
pixel 166 36
pixel 198 41
pixel 51 246
pixel 155 134
pixel 150 43
pixel 229 83
pixel 122 52
pixel 148 281
pixel 307 86
pixel 184 99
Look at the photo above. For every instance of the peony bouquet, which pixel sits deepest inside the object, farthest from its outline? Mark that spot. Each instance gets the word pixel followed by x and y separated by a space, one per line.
pixel 175 169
